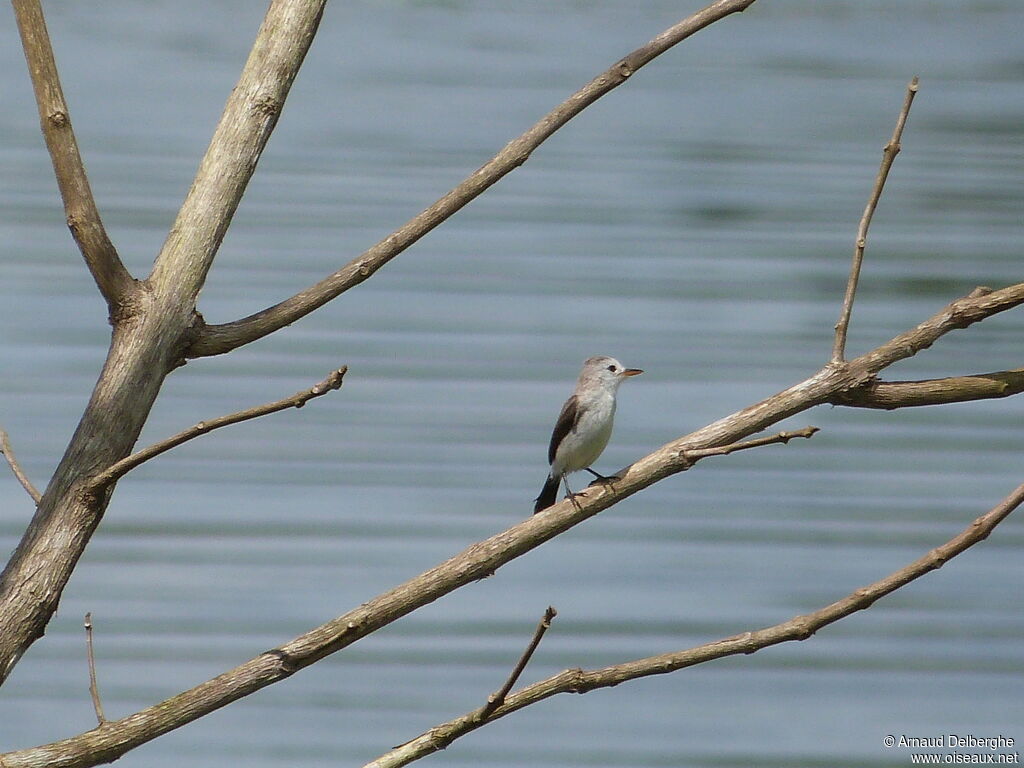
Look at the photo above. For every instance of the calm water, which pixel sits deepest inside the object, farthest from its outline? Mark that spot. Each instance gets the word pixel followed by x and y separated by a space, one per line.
pixel 696 223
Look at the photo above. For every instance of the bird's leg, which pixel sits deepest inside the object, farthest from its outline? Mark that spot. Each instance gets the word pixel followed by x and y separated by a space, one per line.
pixel 601 479
pixel 569 493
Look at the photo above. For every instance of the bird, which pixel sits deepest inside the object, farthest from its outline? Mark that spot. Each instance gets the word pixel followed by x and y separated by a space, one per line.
pixel 584 426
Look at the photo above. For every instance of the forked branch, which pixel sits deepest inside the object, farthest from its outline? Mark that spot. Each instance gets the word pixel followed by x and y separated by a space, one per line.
pixel 299 399
pixel 888 156
pixel 218 339
pixel 83 217
pixel 798 628
pixel 485 557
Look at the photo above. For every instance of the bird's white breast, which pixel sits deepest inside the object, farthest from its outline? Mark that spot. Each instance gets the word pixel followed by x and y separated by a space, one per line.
pixel 584 444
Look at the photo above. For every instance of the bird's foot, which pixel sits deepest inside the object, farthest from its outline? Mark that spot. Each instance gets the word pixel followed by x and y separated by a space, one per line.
pixel 571 496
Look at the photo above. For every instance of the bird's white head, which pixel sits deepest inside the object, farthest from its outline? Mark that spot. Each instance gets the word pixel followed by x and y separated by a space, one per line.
pixel 606 371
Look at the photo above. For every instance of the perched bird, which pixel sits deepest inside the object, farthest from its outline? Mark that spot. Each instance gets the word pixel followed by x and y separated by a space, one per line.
pixel 584 425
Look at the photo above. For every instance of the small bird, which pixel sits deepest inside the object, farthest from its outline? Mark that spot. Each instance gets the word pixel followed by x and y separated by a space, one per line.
pixel 584 426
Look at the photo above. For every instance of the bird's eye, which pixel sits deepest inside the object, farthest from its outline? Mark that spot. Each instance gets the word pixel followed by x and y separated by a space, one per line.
pixel 612 368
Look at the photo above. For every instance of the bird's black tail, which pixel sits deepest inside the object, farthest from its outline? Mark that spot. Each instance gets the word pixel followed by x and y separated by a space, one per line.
pixel 547 494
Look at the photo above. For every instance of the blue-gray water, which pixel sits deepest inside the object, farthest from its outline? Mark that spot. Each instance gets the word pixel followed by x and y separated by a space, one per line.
pixel 697 223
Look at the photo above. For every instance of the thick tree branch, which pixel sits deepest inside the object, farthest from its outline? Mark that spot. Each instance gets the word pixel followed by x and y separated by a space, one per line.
pixel 218 339
pixel 485 557
pixel 8 452
pixel 888 156
pixel 299 399
pixel 799 628
pixel 955 389
pixel 249 117
pixel 83 218
pixel 148 342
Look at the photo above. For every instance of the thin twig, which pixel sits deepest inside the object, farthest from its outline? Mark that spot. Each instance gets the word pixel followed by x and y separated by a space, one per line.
pixel 888 156
pixel 798 628
pixel 221 338
pixel 8 452
pixel 299 399
pixel 694 455
pixel 496 699
pixel 94 690
pixel 83 217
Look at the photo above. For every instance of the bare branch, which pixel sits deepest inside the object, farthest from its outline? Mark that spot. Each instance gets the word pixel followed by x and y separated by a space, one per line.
pixel 725 450
pixel 94 690
pixel 955 389
pixel 299 399
pixel 799 628
pixel 83 218
pixel 218 339
pixel 496 699
pixel 249 117
pixel 142 352
pixel 888 156
pixel 486 557
pixel 8 452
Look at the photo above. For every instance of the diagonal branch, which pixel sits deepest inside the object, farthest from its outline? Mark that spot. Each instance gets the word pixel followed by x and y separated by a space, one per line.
pixel 143 352
pixel 496 699
pixel 218 339
pixel 799 628
pixel 954 389
pixel 118 470
pixel 725 450
pixel 482 559
pixel 888 156
pixel 83 218
pixel 250 115
pixel 8 452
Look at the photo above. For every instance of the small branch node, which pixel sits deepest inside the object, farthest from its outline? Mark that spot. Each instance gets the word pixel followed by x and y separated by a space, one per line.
pixel 803 628
pixel 748 642
pixel 286 663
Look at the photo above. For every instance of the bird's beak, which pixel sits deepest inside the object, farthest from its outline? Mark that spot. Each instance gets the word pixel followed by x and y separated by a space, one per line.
pixel 632 372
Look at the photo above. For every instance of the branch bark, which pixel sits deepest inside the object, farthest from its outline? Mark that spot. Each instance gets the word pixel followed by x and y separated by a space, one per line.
pixel 798 628
pixel 218 339
pixel 954 389
pixel 148 342
pixel 83 218
pixel 484 558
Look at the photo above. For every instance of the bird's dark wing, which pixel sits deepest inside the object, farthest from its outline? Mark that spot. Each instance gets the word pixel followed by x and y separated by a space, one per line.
pixel 567 420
